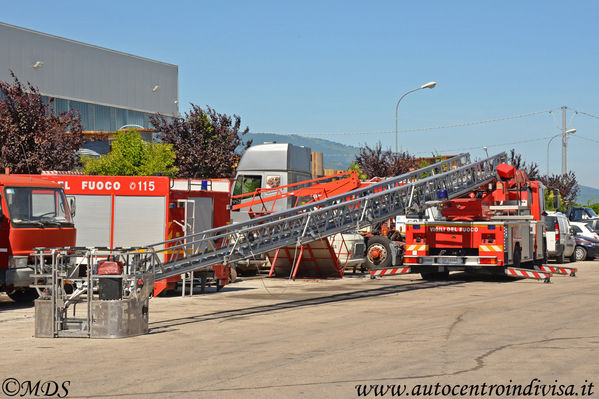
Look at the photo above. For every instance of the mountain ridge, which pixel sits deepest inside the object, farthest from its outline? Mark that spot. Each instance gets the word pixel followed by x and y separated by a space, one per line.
pixel 335 155
pixel 587 195
pixel 340 156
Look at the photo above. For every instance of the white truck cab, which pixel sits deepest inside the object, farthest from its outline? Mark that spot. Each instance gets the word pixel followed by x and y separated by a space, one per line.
pixel 270 165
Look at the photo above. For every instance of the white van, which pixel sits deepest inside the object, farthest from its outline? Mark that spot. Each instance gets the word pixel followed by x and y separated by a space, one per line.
pixel 560 240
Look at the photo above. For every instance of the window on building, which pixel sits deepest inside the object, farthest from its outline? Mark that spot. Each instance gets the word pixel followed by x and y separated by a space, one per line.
pixel 100 118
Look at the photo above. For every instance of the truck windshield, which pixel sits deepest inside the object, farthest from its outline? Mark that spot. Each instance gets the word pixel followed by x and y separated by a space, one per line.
pixel 32 205
pixel 247 184
pixel 582 214
pixel 591 214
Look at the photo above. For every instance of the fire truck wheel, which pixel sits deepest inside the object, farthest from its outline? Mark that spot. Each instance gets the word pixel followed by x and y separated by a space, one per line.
pixel 378 253
pixel 435 276
pixel 23 295
pixel 581 254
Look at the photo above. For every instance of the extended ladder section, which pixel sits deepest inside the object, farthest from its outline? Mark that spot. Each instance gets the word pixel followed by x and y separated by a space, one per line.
pixel 357 209
pixel 116 283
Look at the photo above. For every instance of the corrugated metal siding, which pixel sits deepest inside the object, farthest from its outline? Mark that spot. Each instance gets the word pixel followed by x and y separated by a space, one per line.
pixel 203 214
pixel 139 221
pixel 92 220
pixel 87 73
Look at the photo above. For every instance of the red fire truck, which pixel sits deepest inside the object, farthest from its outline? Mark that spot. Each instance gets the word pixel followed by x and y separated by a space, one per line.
pixel 135 211
pixel 34 213
pixel 498 227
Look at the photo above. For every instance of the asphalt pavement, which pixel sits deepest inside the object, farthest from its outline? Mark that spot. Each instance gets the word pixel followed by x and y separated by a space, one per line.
pixel 345 338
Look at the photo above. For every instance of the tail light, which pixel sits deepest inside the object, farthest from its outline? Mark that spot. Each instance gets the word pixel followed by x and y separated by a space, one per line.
pixel 487 261
pixel 410 260
pixel 557 235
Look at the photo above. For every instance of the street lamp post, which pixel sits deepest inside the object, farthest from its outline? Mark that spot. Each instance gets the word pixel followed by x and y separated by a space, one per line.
pixel 428 85
pixel 571 131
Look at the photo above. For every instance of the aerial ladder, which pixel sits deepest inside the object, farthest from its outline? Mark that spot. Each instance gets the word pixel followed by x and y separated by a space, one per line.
pixel 262 201
pixel 115 284
pixel 323 258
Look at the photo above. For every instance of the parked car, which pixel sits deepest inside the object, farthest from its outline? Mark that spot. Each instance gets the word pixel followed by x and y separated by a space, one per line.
pixel 581 214
pixel 583 230
pixel 585 215
pixel 593 225
pixel 559 237
pixel 586 248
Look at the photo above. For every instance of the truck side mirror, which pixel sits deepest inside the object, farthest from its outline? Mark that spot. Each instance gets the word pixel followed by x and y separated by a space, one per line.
pixel 72 204
pixel 555 199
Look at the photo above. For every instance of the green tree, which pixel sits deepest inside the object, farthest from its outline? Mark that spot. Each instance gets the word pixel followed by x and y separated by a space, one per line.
pixel 594 206
pixel 590 204
pixel 355 167
pixel 132 156
pixel 549 198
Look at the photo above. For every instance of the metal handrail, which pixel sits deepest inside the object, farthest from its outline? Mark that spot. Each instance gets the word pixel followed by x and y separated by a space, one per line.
pixel 353 210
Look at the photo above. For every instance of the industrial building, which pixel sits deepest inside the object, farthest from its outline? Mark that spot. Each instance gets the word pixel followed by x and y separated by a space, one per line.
pixel 110 89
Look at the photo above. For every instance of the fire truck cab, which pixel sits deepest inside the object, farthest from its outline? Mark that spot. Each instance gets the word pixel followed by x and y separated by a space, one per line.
pixel 35 213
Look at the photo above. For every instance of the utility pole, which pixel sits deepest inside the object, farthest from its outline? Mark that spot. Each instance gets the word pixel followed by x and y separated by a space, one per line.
pixel 564 142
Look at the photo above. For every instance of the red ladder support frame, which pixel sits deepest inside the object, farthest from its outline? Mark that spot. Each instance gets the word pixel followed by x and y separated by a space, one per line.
pixel 306 249
pixel 299 259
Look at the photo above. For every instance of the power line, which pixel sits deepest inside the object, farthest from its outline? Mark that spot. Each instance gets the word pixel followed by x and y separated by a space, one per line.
pixel 411 130
pixel 584 113
pixel 476 123
pixel 516 142
pixel 586 138
pixel 488 146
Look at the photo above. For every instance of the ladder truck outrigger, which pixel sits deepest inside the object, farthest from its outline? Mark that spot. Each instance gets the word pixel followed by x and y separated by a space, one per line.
pixel 113 285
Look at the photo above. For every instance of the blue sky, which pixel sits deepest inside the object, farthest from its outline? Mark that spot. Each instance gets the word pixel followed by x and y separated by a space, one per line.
pixel 340 66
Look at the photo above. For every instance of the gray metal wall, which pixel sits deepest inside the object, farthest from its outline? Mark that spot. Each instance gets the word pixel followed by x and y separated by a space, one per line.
pixel 138 220
pixel 92 220
pixel 79 71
